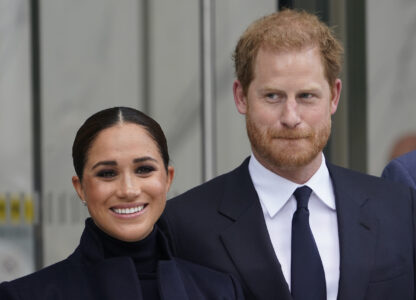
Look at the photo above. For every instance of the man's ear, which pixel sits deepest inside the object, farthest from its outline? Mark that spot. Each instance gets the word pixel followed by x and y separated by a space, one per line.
pixel 239 98
pixel 76 182
pixel 336 93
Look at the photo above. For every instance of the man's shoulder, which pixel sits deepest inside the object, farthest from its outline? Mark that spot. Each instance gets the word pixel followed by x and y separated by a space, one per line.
pixel 211 189
pixel 402 169
pixel 338 171
pixel 214 283
pixel 405 162
pixel 198 270
pixel 354 180
pixel 408 158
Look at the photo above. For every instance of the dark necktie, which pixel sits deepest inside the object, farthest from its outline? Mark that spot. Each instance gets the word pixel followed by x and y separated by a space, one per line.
pixel 308 276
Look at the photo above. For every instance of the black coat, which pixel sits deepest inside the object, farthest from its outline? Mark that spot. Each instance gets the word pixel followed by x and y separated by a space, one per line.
pixel 220 224
pixel 86 274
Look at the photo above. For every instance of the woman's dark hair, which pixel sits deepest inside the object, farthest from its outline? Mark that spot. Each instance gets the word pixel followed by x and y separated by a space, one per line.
pixel 107 118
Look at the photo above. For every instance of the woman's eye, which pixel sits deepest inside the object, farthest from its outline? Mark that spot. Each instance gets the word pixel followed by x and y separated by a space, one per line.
pixel 106 173
pixel 145 169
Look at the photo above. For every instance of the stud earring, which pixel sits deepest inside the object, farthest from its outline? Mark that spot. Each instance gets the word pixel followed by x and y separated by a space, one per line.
pixel 84 202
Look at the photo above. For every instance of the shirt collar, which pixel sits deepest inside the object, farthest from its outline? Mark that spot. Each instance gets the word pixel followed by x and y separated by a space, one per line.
pixel 274 191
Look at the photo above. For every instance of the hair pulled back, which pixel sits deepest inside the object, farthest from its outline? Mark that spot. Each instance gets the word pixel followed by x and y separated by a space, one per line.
pixel 110 117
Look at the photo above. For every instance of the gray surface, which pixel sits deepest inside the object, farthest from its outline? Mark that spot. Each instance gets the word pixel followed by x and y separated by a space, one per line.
pixel 16 240
pixel 391 69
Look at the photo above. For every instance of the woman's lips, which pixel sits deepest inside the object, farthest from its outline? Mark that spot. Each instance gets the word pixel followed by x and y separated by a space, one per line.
pixel 128 210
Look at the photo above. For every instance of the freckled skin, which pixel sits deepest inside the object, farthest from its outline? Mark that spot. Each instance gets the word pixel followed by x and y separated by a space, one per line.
pixel 288 110
pixel 125 182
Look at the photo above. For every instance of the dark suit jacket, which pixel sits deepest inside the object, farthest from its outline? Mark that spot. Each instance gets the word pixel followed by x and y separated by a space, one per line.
pixel 87 275
pixel 402 169
pixel 220 224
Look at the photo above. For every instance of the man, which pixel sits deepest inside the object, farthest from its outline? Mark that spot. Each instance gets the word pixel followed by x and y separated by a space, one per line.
pixel 402 169
pixel 346 235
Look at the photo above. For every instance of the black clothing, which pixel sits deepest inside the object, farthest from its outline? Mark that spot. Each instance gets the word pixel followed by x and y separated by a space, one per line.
pixel 96 271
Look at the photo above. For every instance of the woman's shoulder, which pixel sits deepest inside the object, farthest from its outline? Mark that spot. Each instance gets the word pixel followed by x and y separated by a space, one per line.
pixel 28 286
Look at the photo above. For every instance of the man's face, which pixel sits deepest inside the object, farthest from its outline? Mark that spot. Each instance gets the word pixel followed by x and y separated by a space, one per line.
pixel 288 108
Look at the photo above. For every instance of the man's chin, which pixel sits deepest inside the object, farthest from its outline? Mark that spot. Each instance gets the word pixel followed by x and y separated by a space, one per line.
pixel 293 160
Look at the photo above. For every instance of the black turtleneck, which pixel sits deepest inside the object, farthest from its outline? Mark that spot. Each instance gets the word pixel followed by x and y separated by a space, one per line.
pixel 145 255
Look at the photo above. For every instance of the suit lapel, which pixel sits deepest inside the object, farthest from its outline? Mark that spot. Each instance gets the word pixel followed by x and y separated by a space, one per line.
pixel 357 227
pixel 247 241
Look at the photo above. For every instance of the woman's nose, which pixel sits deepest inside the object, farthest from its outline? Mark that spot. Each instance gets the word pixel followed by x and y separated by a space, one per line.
pixel 128 188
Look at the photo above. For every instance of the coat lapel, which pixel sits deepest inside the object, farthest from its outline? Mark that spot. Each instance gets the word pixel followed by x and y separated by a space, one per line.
pixel 116 278
pixel 107 286
pixel 171 285
pixel 357 227
pixel 247 241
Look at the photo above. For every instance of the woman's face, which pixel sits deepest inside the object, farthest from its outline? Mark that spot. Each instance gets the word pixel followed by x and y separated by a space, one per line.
pixel 124 182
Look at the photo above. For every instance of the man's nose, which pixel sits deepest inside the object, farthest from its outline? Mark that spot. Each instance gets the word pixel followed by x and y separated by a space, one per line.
pixel 290 115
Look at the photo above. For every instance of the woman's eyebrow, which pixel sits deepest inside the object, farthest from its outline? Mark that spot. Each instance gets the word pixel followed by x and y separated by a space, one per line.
pixel 105 163
pixel 145 158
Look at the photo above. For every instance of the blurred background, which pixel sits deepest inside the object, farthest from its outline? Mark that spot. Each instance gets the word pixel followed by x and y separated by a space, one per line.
pixel 62 60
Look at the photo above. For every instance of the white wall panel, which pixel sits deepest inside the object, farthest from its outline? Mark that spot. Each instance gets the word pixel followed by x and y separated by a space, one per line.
pixel 16 239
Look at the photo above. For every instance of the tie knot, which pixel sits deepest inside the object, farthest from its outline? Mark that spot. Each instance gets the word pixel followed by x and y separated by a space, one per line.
pixel 302 195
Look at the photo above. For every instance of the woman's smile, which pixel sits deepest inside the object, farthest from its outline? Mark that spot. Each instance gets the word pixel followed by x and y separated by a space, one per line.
pixel 125 182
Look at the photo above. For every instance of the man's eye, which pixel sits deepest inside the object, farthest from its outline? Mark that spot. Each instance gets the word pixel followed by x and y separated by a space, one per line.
pixel 106 173
pixel 145 169
pixel 306 95
pixel 272 96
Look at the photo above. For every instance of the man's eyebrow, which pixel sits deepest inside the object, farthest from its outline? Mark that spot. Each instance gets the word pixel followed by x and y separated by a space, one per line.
pixel 270 89
pixel 105 163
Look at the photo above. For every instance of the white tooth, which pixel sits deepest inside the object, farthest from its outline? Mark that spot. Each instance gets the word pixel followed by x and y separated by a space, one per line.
pixel 132 210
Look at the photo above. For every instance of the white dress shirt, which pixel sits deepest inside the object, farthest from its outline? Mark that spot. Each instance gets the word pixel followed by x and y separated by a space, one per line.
pixel 279 204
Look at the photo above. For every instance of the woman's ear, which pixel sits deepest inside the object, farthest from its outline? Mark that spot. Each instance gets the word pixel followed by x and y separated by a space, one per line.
pixel 76 182
pixel 171 174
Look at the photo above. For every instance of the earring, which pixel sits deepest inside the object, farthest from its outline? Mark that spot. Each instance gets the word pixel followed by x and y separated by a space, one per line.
pixel 84 202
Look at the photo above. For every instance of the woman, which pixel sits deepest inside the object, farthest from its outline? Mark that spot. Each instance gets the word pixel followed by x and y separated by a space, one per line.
pixel 122 175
